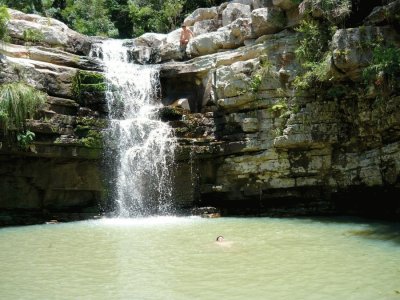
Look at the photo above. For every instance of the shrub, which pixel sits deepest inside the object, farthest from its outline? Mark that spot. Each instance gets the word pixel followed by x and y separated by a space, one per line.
pixel 4 17
pixel 25 139
pixel 32 35
pixel 18 102
pixel 334 11
pixel 384 69
pixel 260 74
pixel 313 52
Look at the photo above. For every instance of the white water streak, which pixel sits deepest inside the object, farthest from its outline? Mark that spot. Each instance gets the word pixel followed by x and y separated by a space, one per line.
pixel 143 145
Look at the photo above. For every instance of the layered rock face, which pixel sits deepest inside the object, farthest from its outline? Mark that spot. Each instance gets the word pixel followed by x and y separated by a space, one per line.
pixel 256 144
pixel 250 141
pixel 58 175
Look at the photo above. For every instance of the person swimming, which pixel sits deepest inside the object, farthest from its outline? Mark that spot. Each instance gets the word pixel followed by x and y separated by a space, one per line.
pixel 220 241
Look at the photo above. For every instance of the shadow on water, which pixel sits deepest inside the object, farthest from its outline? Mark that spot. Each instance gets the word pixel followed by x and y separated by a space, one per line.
pixel 374 229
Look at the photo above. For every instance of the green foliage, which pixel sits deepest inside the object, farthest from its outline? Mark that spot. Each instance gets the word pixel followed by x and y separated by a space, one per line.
pixel 93 139
pixel 90 17
pixel 337 91
pixel 334 11
pixel 171 12
pixel 259 75
pixel 313 52
pixel 168 113
pixel 89 131
pixel 191 5
pixel 32 35
pixel 279 107
pixel 18 102
pixel 314 41
pixel 114 18
pixel 25 139
pixel 88 82
pixel 155 17
pixel 4 17
pixel 119 16
pixel 255 82
pixel 384 70
pixel 27 6
pixel 315 72
pixel 144 19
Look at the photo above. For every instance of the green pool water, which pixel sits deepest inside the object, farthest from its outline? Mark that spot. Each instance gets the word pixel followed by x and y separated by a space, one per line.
pixel 178 258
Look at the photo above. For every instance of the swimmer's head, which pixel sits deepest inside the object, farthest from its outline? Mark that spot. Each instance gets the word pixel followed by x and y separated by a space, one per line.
pixel 220 238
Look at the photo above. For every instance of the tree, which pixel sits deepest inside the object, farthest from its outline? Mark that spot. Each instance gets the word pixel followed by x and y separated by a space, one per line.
pixel 27 6
pixel 114 18
pixel 144 18
pixel 172 10
pixel 155 16
pixel 119 15
pixel 90 17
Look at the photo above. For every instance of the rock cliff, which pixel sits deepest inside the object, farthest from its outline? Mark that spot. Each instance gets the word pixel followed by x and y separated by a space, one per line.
pixel 259 131
pixel 257 141
pixel 59 175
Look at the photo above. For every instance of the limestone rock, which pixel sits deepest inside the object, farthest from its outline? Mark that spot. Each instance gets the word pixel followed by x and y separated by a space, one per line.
pixel 55 80
pixel 234 11
pixel 205 26
pixel 201 14
pixel 208 43
pixel 48 31
pixel 267 20
pixel 388 13
pixel 53 56
pixel 228 37
pixel 254 4
pixel 352 47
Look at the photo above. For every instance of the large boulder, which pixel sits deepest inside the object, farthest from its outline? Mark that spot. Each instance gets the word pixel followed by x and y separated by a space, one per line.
pixel 389 13
pixel 53 56
pixel 228 37
pixel 55 80
pixel 208 43
pixel 267 20
pixel 254 4
pixel 352 47
pixel 234 11
pixel 205 26
pixel 201 14
pixel 46 31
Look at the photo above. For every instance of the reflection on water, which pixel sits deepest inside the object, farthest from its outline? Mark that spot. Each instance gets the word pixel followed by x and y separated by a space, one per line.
pixel 178 258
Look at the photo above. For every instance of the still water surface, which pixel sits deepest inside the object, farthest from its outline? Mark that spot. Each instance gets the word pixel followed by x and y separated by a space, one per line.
pixel 178 258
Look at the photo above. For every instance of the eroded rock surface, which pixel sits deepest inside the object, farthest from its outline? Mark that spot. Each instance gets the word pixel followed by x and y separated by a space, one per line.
pixel 59 175
pixel 250 142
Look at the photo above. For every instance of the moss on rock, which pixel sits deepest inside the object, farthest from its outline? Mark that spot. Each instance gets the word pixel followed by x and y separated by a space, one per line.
pixel 88 82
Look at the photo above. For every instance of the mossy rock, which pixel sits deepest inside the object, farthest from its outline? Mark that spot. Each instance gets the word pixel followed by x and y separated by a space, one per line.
pixel 92 122
pixel 92 139
pixel 168 113
pixel 86 82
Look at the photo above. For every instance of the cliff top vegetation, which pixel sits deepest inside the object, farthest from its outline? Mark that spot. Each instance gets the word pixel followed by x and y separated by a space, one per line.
pixel 114 18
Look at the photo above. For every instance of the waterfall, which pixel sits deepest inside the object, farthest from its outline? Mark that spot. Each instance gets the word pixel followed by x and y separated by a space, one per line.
pixel 138 143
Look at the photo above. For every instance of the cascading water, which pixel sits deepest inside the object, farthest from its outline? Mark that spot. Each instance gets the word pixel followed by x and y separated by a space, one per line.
pixel 139 144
